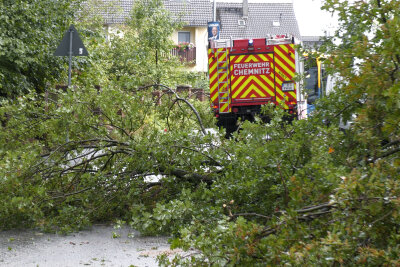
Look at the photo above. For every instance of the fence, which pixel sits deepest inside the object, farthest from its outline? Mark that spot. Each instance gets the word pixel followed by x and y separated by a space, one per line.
pixel 185 55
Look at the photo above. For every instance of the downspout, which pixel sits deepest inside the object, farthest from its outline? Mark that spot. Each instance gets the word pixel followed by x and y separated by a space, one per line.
pixel 215 11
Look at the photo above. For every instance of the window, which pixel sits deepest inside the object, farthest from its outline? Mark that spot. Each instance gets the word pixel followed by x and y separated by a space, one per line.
pixel 183 37
pixel 241 22
pixel 312 79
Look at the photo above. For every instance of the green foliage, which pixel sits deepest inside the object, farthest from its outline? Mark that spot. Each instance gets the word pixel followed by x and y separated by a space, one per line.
pixel 31 31
pixel 367 60
pixel 109 135
pixel 333 196
pixel 143 47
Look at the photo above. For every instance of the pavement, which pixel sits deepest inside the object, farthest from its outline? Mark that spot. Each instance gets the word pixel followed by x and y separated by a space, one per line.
pixel 93 247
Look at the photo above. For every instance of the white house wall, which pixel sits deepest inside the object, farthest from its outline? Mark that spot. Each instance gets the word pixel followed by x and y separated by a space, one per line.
pixel 201 49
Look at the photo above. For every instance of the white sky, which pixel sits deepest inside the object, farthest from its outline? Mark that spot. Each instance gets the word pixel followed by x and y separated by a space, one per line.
pixel 311 19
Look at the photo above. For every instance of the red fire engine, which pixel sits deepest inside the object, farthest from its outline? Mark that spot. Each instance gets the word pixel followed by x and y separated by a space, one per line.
pixel 246 74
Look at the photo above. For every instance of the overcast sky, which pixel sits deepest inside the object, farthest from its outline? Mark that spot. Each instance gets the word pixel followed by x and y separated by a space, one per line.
pixel 311 19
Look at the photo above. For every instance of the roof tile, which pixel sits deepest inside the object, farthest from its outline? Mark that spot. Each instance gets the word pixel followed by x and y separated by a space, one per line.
pixel 198 12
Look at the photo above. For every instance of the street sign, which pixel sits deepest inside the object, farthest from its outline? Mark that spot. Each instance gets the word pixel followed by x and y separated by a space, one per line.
pixel 78 49
pixel 71 45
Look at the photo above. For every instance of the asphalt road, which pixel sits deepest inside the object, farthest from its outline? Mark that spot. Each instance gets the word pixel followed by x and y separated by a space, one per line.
pixel 94 247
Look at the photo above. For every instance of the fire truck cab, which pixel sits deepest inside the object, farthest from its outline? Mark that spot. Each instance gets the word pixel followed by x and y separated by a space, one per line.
pixel 248 73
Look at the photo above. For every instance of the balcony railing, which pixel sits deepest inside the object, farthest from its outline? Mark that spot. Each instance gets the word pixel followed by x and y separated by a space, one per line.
pixel 187 55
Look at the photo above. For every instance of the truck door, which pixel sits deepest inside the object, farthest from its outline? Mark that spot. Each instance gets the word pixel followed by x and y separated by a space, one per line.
pixel 284 64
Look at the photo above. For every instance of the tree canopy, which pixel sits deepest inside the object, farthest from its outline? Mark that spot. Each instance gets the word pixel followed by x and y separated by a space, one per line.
pixel 31 31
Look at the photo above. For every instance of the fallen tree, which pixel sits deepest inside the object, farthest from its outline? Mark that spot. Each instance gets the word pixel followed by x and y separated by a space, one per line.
pixel 303 193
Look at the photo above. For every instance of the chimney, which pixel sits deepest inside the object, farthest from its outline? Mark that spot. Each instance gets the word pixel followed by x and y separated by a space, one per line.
pixel 245 9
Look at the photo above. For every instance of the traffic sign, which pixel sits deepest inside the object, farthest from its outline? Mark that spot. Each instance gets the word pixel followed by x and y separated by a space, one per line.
pixel 78 49
pixel 71 45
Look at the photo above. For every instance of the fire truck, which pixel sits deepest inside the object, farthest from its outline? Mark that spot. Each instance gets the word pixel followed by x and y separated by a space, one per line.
pixel 248 73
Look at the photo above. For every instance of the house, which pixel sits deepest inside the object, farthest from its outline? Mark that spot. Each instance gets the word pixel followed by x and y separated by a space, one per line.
pixel 256 19
pixel 195 14
pixel 240 19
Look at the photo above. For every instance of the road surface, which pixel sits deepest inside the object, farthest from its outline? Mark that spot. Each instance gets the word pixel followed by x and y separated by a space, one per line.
pixel 94 247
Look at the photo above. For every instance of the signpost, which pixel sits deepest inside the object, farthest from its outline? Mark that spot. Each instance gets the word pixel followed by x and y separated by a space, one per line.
pixel 71 45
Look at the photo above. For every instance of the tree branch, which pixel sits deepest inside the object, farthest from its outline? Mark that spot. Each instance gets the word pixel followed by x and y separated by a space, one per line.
pixel 178 98
pixel 200 152
pixel 66 195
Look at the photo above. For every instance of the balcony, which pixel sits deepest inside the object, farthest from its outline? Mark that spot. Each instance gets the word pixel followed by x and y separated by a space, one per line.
pixel 186 55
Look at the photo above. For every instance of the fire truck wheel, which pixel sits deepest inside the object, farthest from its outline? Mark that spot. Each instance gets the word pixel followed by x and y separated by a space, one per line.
pixel 229 124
